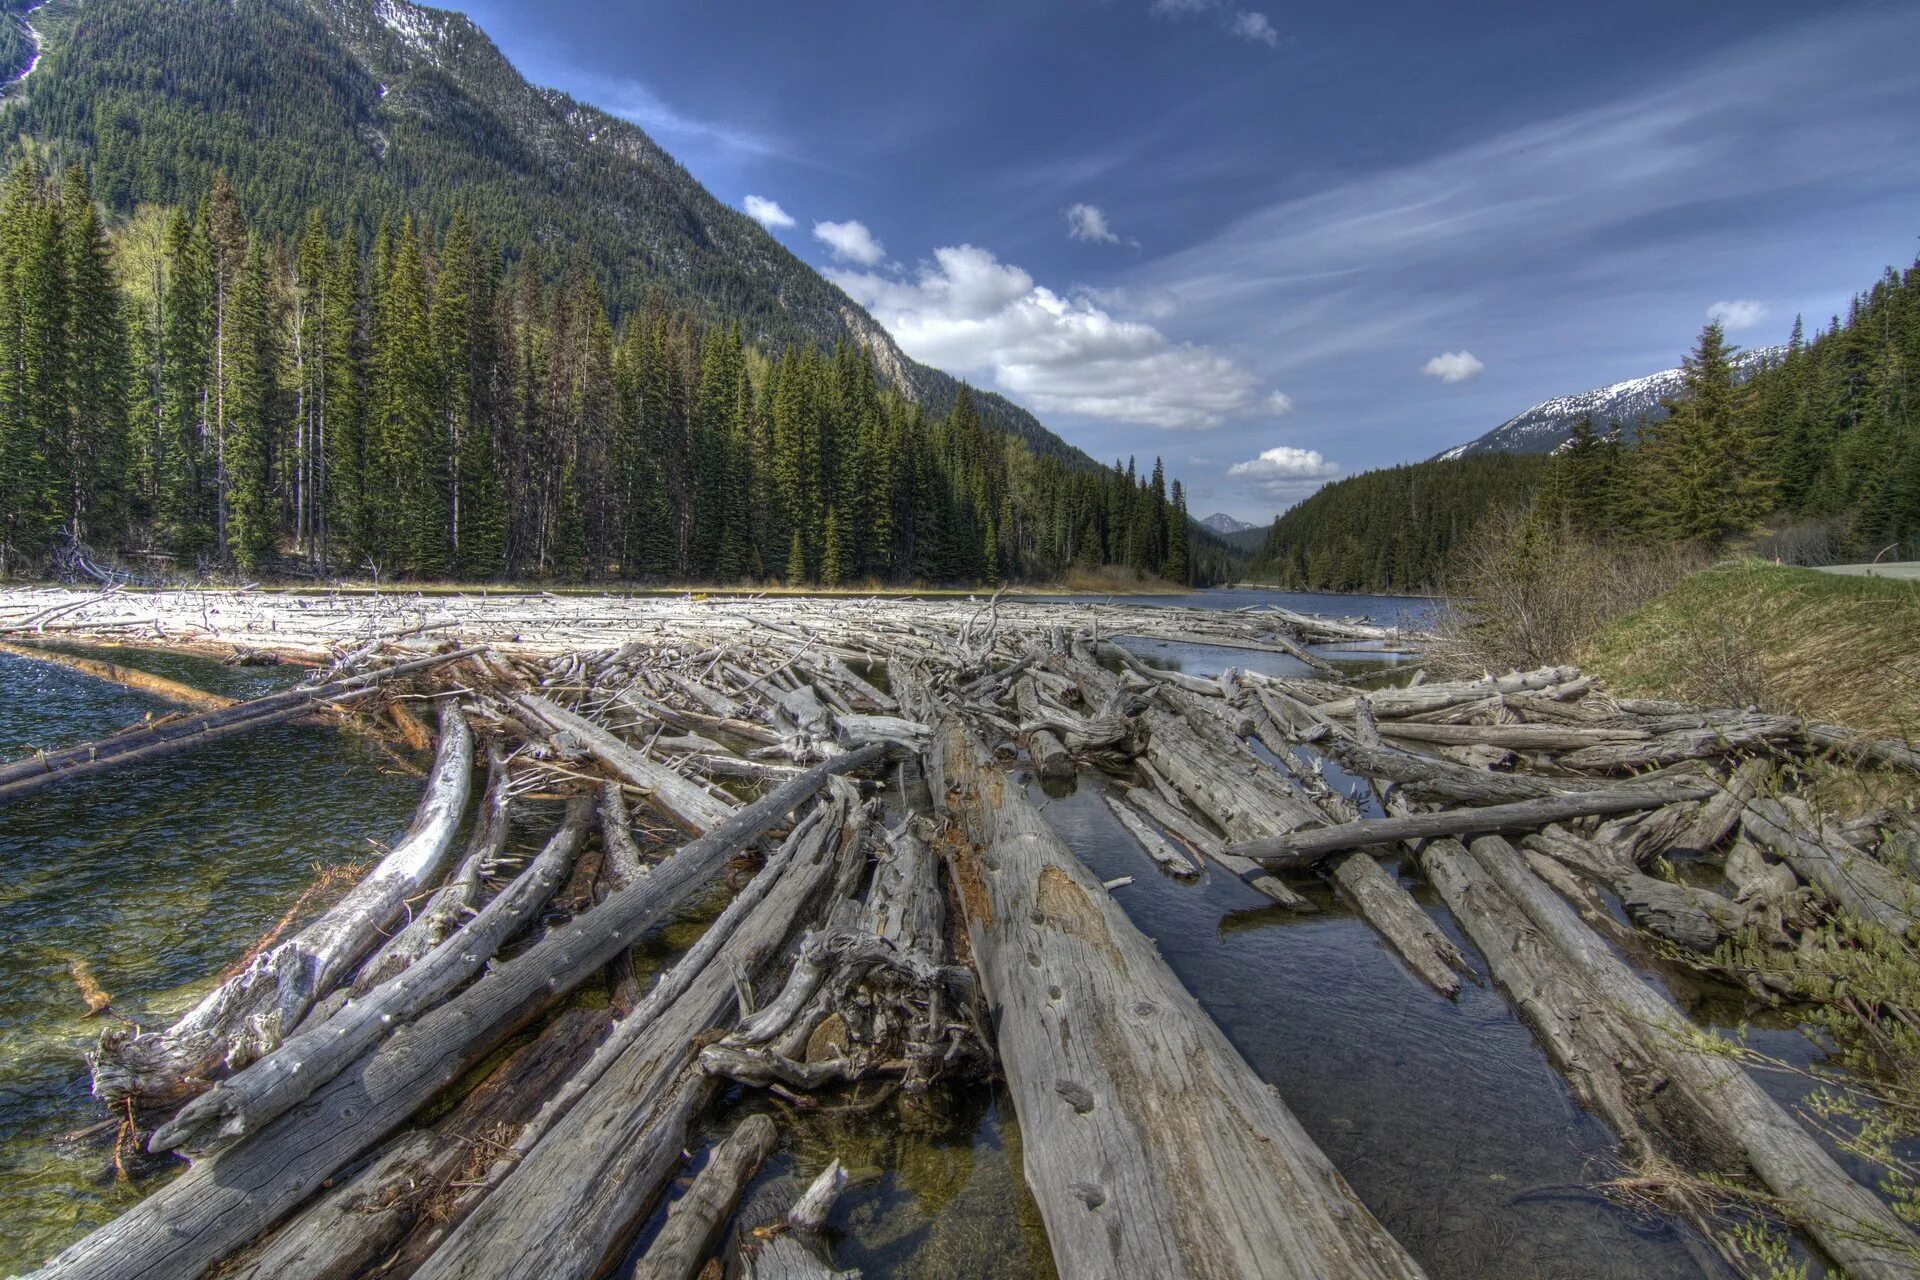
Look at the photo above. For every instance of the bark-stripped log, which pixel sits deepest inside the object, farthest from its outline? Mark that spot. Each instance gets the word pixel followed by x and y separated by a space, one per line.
pixel 586 1186
pixel 245 1102
pixel 1393 913
pixel 1861 886
pixel 249 1014
pixel 1151 1146
pixel 1305 848
pixel 690 805
pixel 220 1204
pixel 1156 845
pixel 180 695
pixel 697 1219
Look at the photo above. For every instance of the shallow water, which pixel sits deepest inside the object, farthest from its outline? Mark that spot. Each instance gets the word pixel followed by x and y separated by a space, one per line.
pixel 155 879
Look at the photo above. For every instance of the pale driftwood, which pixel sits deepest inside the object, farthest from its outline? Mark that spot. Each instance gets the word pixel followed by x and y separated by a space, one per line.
pixel 245 1102
pixel 586 1186
pixel 1514 737
pixel 1305 848
pixel 1397 703
pixel 453 902
pixel 1686 744
pixel 1854 1226
pixel 1695 918
pixel 1050 757
pixel 1394 914
pixel 1893 753
pixel 1155 844
pixel 1862 887
pixel 220 1204
pixel 686 803
pixel 1427 778
pixel 1754 879
pixel 250 1013
pixel 767 1244
pixel 696 1220
pixel 1131 1101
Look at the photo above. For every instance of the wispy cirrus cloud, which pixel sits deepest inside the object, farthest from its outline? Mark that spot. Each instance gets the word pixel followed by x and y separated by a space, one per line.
pixel 1246 24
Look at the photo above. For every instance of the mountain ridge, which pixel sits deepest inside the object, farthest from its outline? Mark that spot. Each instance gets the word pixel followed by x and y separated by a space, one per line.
pixel 1547 426
pixel 390 106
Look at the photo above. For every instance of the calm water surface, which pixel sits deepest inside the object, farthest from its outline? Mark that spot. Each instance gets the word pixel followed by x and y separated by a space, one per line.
pixel 1444 1116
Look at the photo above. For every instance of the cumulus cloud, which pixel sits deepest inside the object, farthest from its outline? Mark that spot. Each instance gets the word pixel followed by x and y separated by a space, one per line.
pixel 1256 28
pixel 1454 366
pixel 767 213
pixel 1087 222
pixel 850 241
pixel 1741 313
pixel 1284 473
pixel 1279 403
pixel 971 314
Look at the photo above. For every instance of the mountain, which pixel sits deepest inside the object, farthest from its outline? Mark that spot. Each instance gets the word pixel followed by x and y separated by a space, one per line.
pixel 1545 427
pixel 1224 524
pixel 376 107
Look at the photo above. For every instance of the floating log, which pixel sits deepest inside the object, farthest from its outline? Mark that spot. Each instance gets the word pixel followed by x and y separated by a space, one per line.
pixel 1152 1148
pixel 1305 848
pixel 1398 918
pixel 219 1205
pixel 245 1102
pixel 1155 844
pixel 249 1014
pixel 697 1219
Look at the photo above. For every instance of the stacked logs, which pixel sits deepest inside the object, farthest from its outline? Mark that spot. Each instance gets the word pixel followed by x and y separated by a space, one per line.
pixel 910 918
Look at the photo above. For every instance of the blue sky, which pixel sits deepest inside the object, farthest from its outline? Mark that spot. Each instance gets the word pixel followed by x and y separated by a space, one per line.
pixel 1280 244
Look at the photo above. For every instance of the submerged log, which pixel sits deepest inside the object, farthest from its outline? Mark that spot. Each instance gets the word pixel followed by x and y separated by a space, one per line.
pixel 220 1204
pixel 249 1014
pixel 1398 918
pixel 181 695
pixel 1155 844
pixel 1151 1146
pixel 1305 848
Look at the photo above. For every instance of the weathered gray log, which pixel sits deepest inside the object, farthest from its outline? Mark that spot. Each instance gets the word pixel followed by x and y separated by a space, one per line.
pixel 245 1102
pixel 1427 778
pixel 1754 879
pixel 222 1203
pixel 1305 848
pixel 1155 844
pixel 1391 704
pixel 1394 914
pixel 1687 744
pixel 767 1243
pixel 1050 757
pixel 586 1186
pixel 1151 1147
pixel 1890 752
pixel 690 806
pixel 696 1220
pixel 1695 918
pixel 1514 737
pixel 1862 887
pixel 1854 1226
pixel 453 902
pixel 1719 814
pixel 366 1216
pixel 250 1013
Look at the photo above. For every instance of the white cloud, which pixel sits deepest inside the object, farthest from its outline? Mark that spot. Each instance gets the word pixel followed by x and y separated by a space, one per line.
pixel 1454 366
pixel 971 314
pixel 1285 474
pixel 1256 28
pixel 850 241
pixel 1087 222
pixel 1741 313
pixel 1249 25
pixel 1279 403
pixel 767 213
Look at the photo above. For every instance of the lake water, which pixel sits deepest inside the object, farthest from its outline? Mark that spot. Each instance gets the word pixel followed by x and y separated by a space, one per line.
pixel 1444 1115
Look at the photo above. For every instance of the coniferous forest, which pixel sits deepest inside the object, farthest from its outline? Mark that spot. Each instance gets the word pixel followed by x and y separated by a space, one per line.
pixel 194 391
pixel 1816 458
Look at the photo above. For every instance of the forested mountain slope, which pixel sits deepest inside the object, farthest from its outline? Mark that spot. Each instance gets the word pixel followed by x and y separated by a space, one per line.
pixel 374 108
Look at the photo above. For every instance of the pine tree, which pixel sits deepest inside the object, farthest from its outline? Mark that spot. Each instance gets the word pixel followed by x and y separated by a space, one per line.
pixel 796 561
pixel 186 505
pixel 247 392
pixel 1179 568
pixel 98 390
pixel 833 562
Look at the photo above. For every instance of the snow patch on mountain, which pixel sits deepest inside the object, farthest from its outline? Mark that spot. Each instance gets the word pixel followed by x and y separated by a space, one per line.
pixel 1547 426
pixel 1222 523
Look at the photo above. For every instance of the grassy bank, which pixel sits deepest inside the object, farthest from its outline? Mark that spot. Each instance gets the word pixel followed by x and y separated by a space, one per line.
pixel 1787 640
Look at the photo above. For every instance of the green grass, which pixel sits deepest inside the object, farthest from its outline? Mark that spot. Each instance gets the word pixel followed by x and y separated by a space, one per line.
pixel 1787 640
